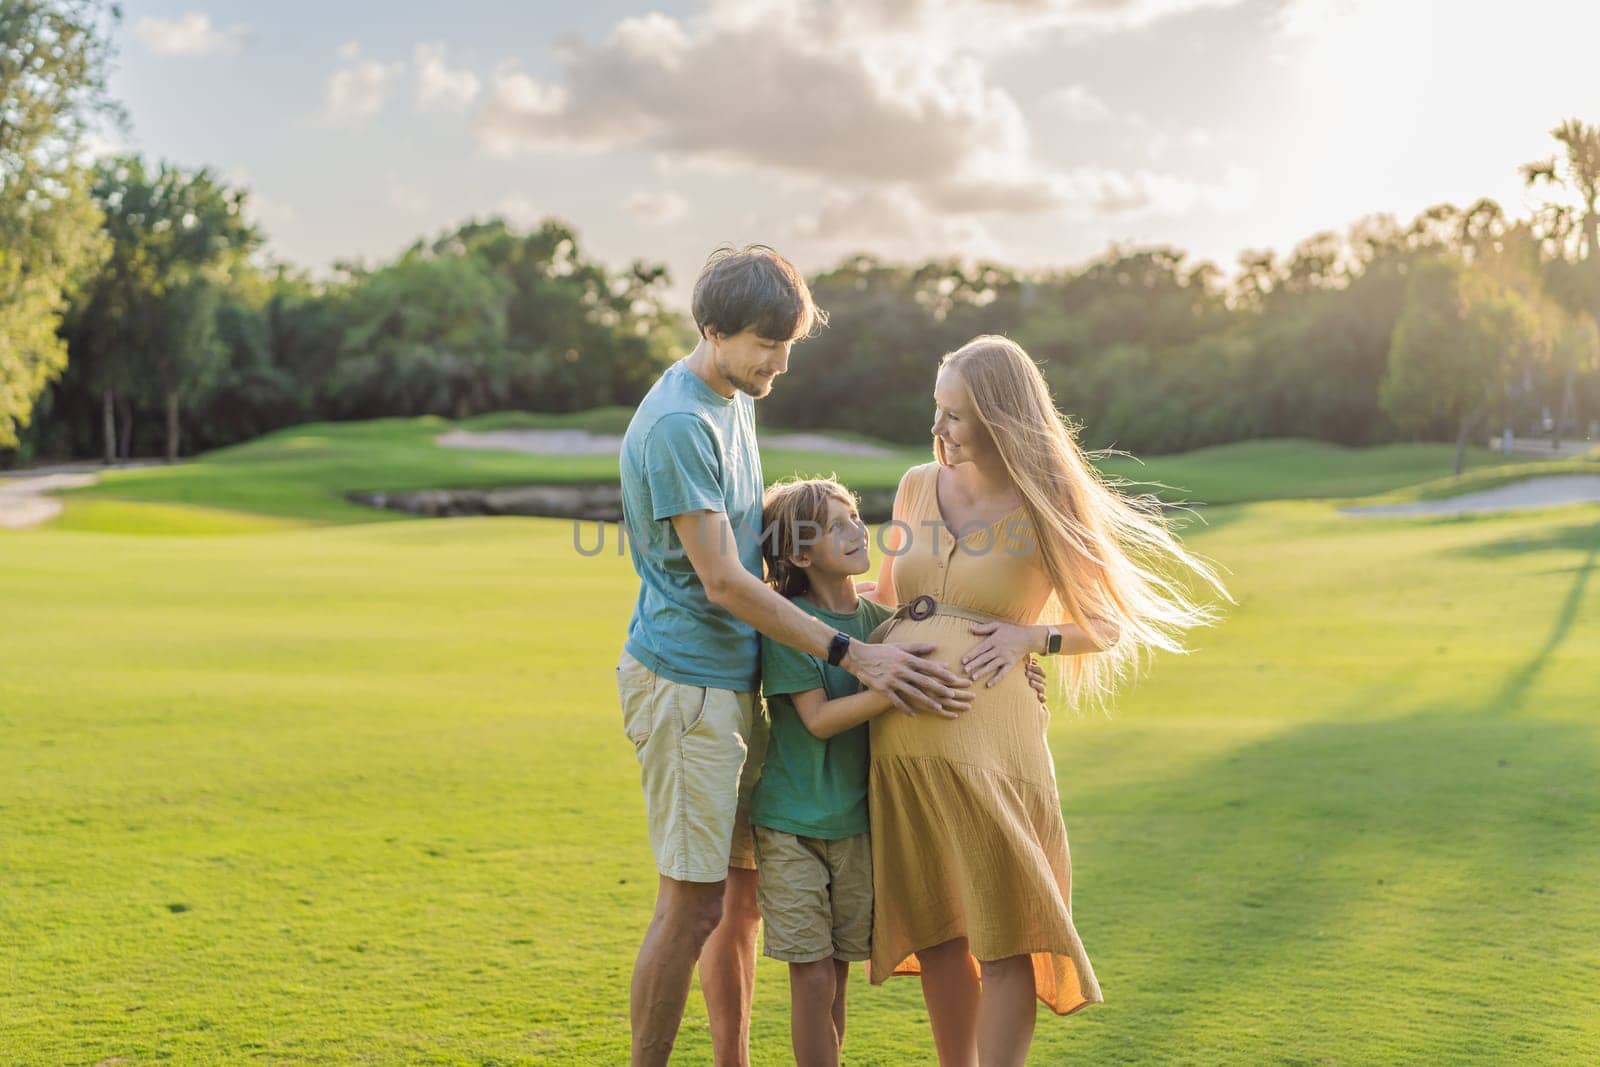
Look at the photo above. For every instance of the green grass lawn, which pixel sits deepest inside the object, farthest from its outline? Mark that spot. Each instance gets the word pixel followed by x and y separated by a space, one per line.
pixel 304 473
pixel 359 793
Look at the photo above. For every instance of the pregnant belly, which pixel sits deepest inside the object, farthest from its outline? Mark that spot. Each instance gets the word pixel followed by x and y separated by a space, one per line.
pixel 1003 730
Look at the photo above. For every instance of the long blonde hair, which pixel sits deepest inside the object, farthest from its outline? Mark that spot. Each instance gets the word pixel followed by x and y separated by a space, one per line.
pixel 1109 555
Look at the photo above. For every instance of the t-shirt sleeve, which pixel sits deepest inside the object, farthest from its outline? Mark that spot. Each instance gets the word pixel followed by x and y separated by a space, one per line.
pixel 681 467
pixel 788 670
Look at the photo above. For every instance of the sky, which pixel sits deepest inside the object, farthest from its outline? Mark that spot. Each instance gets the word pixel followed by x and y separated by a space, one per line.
pixel 1034 132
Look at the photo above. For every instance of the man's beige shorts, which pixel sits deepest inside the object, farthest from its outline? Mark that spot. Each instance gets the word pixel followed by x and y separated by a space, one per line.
pixel 815 896
pixel 700 752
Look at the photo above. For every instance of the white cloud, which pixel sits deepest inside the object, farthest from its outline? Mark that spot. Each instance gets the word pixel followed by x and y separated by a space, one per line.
pixel 360 89
pixel 1162 142
pixel 103 138
pixel 349 50
pixel 438 84
pixel 898 95
pixel 657 209
pixel 892 221
pixel 520 210
pixel 190 34
pixel 403 196
pixel 719 91
pixel 1075 103
pixel 1143 193
pixel 261 211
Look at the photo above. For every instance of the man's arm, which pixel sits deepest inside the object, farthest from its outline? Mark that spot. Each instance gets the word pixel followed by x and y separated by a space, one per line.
pixel 900 673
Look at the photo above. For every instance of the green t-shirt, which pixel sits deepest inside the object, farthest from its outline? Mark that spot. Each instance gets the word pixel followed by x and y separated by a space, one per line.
pixel 810 787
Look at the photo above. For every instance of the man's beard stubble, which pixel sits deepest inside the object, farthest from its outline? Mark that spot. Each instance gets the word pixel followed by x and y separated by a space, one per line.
pixel 753 389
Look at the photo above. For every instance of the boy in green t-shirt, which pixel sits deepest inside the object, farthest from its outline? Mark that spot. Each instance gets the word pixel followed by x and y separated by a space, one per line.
pixel 809 809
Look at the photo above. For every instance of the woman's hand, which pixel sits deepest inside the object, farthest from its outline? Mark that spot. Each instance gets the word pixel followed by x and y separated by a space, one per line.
pixel 1004 644
pixel 1037 679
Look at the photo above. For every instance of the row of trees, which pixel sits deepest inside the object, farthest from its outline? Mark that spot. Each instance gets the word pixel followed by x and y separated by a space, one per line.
pixel 139 313
pixel 1459 323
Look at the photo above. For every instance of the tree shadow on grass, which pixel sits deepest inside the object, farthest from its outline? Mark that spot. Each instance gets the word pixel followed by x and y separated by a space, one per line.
pixel 1580 536
pixel 1359 889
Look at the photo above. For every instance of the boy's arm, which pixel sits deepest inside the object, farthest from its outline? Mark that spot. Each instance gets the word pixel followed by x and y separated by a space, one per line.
pixel 825 718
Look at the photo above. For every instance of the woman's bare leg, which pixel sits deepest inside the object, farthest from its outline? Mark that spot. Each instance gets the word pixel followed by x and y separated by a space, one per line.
pixel 1006 1012
pixel 950 990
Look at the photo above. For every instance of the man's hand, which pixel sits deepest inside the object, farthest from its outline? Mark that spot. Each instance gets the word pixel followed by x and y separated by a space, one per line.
pixel 907 679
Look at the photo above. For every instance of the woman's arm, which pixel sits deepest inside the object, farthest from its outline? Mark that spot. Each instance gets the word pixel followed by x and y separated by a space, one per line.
pixel 893 545
pixel 826 718
pixel 1002 645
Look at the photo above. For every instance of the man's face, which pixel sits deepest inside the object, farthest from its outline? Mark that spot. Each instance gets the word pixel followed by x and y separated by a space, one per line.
pixel 749 361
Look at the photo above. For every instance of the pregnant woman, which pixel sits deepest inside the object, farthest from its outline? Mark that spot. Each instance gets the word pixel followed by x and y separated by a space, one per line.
pixel 1009 544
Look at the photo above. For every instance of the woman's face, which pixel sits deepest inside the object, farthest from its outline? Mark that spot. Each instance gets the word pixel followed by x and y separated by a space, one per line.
pixel 955 423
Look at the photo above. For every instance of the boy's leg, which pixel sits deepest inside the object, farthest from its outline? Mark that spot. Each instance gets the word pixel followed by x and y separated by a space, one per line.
pixel 841 982
pixel 728 970
pixel 813 1029
pixel 850 898
pixel 793 891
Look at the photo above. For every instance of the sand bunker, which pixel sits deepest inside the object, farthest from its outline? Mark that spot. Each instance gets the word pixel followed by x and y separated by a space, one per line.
pixel 24 501
pixel 1552 491
pixel 584 443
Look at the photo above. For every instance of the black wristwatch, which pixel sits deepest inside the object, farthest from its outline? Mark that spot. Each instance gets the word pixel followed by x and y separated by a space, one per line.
pixel 837 648
pixel 1052 643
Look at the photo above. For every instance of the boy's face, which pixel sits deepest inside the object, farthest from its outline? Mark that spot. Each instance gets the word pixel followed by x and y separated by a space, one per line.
pixel 749 361
pixel 841 547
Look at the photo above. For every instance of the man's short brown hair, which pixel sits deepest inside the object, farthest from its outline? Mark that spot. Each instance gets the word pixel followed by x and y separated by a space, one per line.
pixel 754 288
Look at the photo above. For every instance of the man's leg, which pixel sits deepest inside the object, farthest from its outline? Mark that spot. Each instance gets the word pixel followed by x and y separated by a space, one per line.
pixel 728 970
pixel 685 915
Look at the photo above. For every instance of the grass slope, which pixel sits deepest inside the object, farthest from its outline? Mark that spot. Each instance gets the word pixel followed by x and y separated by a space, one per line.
pixel 360 795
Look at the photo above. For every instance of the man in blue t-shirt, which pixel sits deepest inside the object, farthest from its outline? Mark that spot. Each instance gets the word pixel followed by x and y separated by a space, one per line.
pixel 687 678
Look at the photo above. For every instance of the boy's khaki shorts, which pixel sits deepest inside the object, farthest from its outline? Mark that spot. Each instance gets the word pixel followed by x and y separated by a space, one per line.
pixel 700 752
pixel 815 896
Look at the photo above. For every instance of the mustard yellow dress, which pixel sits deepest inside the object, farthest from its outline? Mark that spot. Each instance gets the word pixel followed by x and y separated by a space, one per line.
pixel 967 834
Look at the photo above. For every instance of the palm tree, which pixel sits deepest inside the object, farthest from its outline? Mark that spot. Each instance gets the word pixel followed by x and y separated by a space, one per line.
pixel 1574 233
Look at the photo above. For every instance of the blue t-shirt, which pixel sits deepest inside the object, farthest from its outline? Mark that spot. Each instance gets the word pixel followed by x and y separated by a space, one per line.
pixel 688 448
